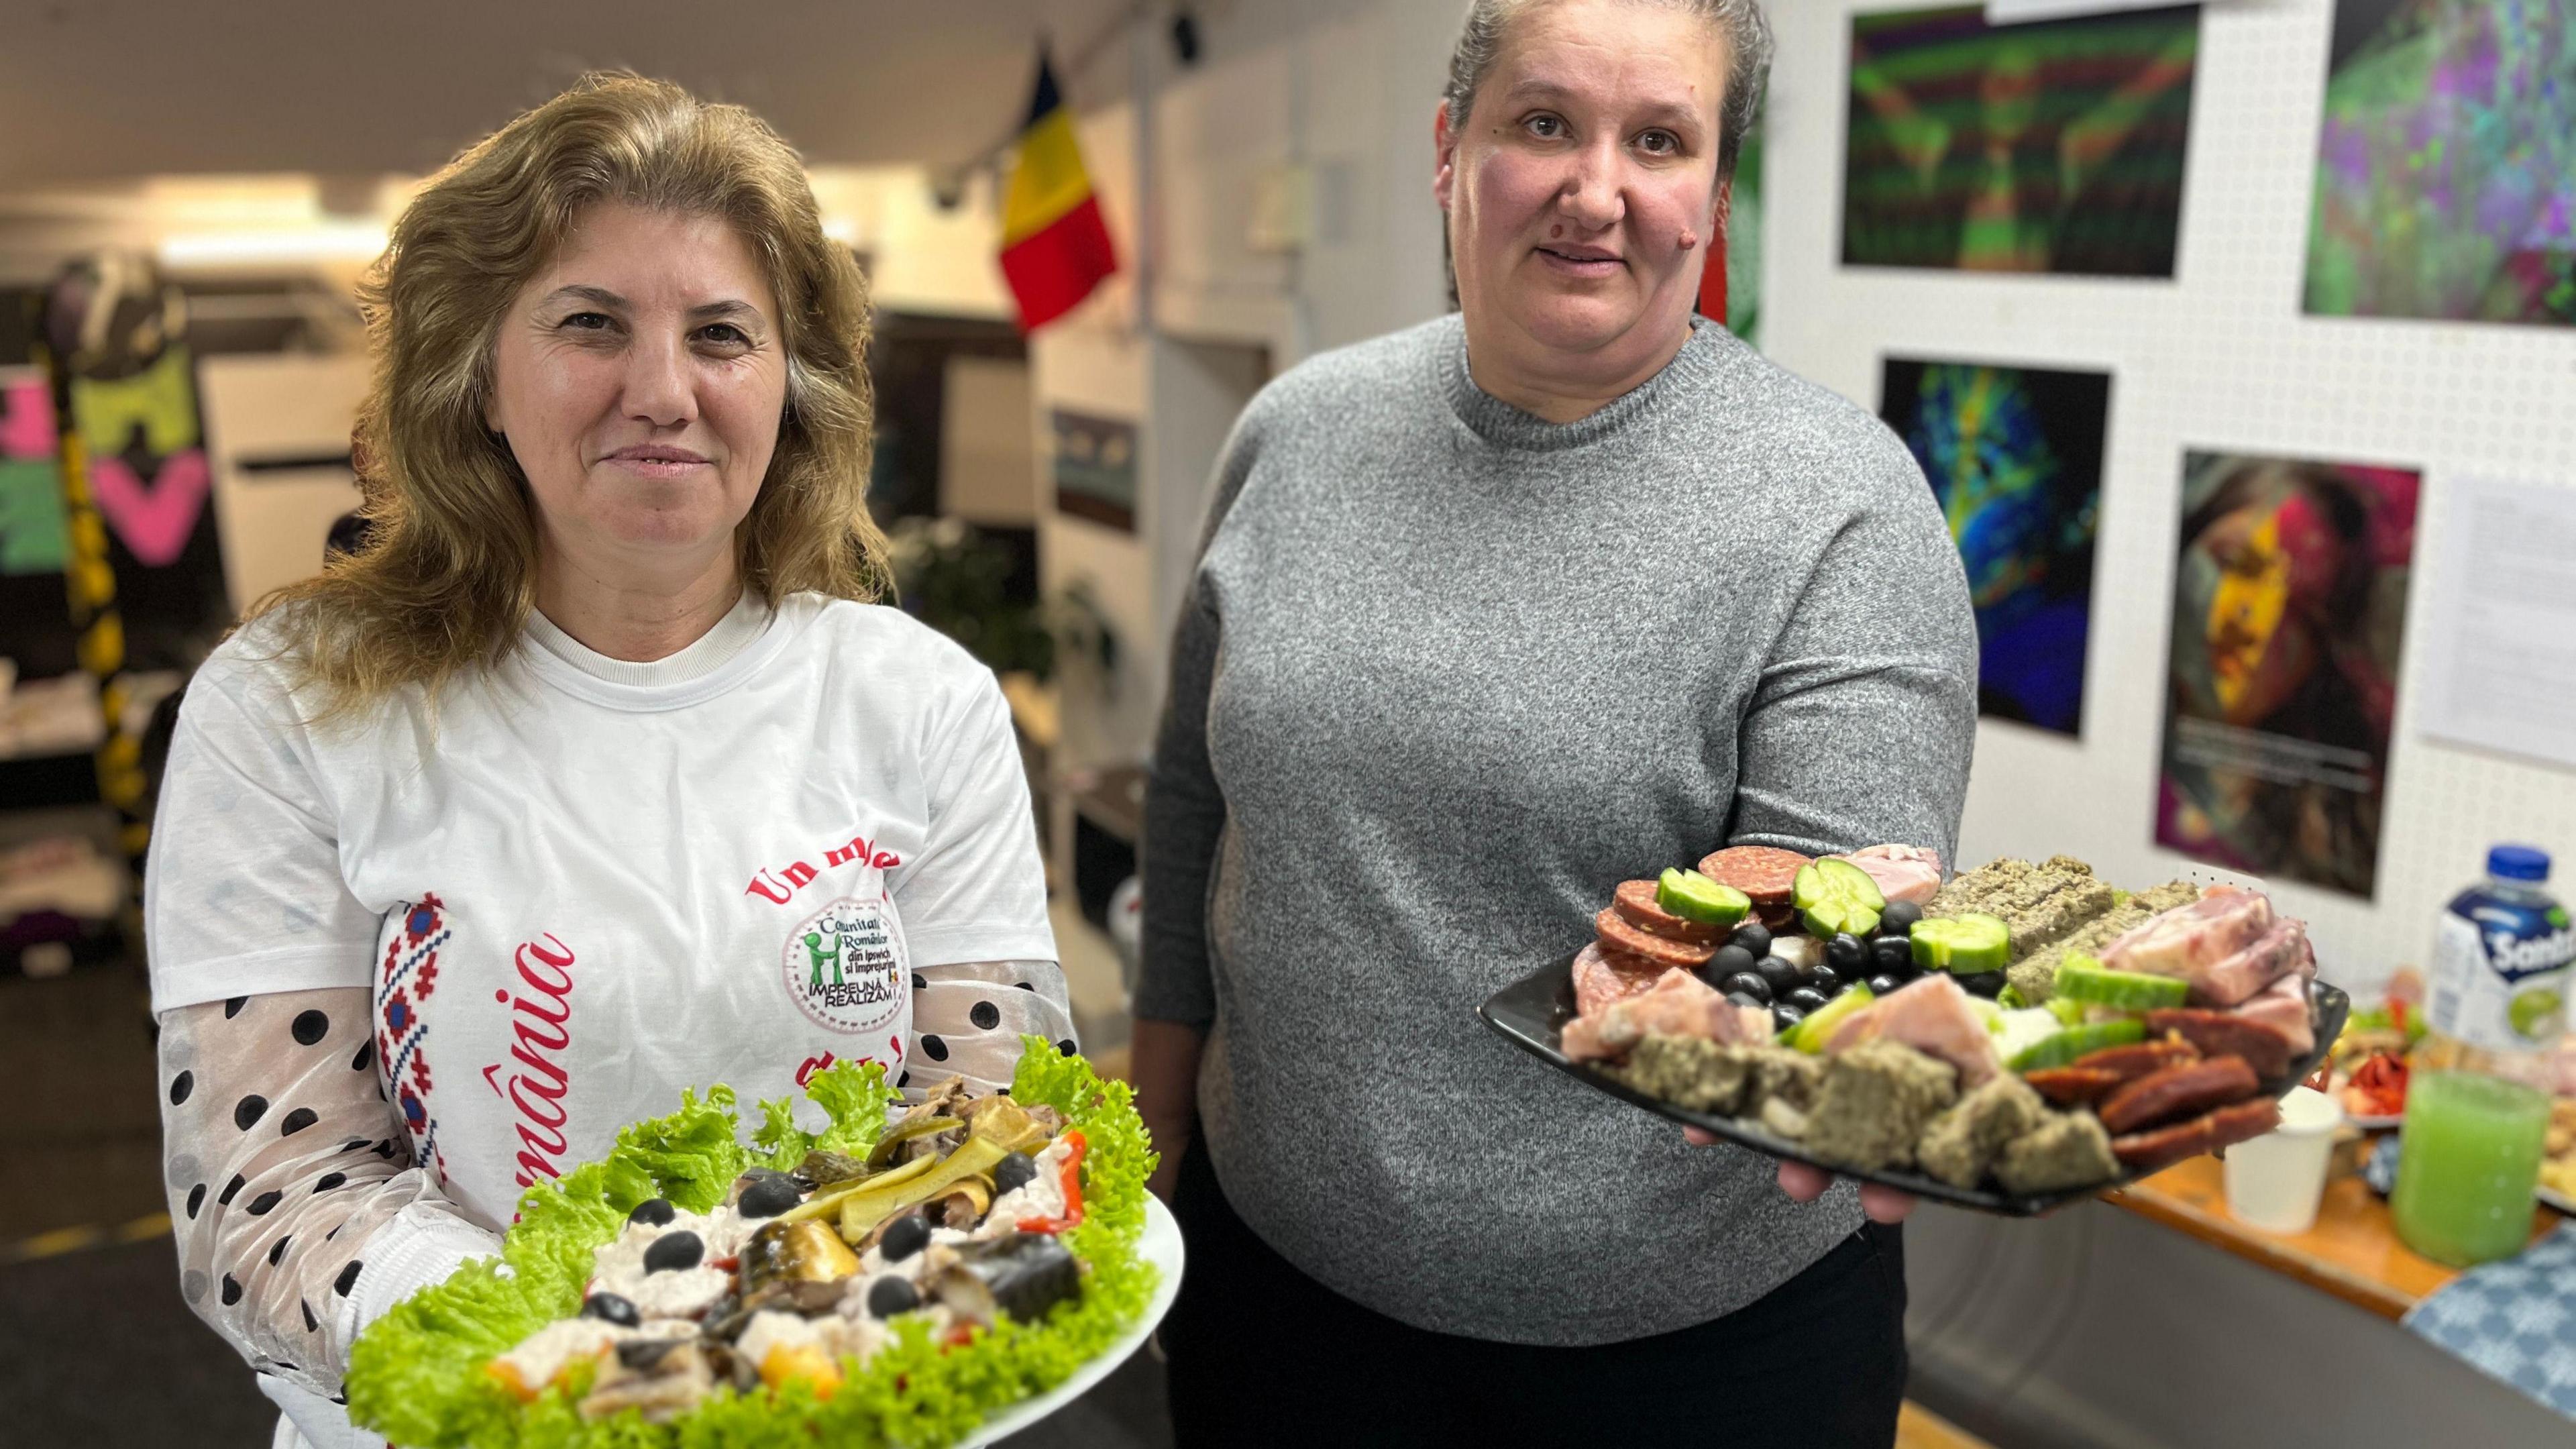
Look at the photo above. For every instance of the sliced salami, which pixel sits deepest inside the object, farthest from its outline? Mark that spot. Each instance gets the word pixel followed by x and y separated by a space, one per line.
pixel 2182 1091
pixel 2071 1086
pixel 1636 902
pixel 1618 935
pixel 1604 977
pixel 1765 873
pixel 2165 1146
pixel 2225 1034
pixel 2127 1063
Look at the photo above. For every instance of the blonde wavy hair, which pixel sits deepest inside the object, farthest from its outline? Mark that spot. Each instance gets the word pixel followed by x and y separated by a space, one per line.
pixel 448 576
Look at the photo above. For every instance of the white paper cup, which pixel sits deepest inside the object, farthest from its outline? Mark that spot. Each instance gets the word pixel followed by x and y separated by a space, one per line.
pixel 2275 1181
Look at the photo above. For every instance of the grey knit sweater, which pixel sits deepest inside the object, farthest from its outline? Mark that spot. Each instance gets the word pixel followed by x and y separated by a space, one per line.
pixel 1448 675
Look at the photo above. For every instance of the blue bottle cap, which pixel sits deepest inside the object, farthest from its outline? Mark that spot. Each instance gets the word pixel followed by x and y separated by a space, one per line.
pixel 2518 862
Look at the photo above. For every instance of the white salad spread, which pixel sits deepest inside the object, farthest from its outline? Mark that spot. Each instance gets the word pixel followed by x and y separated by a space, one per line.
pixel 536 1362
pixel 1041 1196
pixel 672 1292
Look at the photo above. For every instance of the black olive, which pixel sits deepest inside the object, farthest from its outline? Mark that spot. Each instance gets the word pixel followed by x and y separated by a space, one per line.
pixel 1897 918
pixel 1805 998
pixel 768 1197
pixel 673 1251
pixel 641 1354
pixel 1823 977
pixel 609 1308
pixel 1754 937
pixel 1988 984
pixel 1785 1016
pixel 910 1233
pixel 1013 1171
pixel 890 1295
pixel 1846 954
pixel 1728 961
pixel 1747 983
pixel 1893 955
pixel 653 1212
pixel 1779 973
pixel 1882 984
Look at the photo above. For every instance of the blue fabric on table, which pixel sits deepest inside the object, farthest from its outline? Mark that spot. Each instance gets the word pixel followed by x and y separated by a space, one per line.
pixel 2514 1318
pixel 2380 1171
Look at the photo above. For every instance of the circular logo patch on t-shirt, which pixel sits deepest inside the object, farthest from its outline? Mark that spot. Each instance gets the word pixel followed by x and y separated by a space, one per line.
pixel 843 967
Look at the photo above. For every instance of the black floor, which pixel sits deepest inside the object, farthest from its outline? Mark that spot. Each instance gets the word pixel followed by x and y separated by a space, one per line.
pixel 96 1350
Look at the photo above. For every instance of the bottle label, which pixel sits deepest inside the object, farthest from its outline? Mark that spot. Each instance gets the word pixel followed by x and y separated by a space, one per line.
pixel 2501 975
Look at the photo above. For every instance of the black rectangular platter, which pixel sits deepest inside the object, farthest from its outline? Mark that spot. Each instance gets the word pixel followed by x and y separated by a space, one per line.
pixel 1531 1014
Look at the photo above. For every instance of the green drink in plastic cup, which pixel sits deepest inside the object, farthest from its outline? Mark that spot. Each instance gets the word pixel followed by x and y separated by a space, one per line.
pixel 2469 1161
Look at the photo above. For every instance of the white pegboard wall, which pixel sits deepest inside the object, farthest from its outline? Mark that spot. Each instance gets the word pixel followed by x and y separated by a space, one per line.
pixel 2219 357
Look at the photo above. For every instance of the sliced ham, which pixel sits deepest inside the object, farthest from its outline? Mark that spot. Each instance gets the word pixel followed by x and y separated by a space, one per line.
pixel 1903 872
pixel 2188 941
pixel 1602 977
pixel 2283 1006
pixel 1679 1005
pixel 2281 951
pixel 1933 1016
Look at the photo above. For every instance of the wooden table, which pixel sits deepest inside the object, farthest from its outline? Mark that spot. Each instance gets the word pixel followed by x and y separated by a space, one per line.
pixel 2352 1252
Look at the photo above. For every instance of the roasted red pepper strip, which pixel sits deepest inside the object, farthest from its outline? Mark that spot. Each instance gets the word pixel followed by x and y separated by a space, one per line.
pixel 1072 1181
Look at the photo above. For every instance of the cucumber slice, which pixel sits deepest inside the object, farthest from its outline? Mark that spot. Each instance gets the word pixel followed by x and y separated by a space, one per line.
pixel 2079 1041
pixel 2081 978
pixel 1694 897
pixel 1834 896
pixel 1965 945
pixel 2069 1012
pixel 2010 999
pixel 1809 1036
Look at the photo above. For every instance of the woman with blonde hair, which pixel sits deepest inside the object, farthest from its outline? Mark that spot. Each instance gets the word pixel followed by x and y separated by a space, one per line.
pixel 1493 614
pixel 597 773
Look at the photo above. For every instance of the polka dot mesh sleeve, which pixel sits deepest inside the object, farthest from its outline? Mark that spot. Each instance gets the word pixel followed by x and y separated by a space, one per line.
pixel 968 1018
pixel 298 1212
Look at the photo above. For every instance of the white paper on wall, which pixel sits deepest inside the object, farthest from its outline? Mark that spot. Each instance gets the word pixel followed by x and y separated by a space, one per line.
pixel 2502 626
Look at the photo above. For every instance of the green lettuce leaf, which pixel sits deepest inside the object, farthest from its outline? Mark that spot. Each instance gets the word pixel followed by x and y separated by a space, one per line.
pixel 784 1143
pixel 857 1095
pixel 417 1375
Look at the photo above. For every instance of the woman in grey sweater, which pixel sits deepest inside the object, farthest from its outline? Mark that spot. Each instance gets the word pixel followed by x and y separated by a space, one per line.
pixel 1491 615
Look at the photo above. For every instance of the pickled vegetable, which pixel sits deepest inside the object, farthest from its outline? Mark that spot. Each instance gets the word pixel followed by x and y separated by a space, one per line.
pixel 2077 1041
pixel 1834 896
pixel 1696 898
pixel 1965 945
pixel 1818 1028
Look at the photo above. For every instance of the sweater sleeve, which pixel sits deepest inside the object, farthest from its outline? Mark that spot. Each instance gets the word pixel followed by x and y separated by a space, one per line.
pixel 299 1214
pixel 1864 720
pixel 1184 807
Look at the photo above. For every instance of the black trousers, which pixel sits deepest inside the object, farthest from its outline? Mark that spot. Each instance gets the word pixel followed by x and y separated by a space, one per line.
pixel 1261 1354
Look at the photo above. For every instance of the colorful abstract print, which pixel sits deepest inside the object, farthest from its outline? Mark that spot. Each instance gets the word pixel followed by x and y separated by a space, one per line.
pixel 2446 169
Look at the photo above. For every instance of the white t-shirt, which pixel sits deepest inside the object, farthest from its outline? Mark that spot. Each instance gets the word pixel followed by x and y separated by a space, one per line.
pixel 583 885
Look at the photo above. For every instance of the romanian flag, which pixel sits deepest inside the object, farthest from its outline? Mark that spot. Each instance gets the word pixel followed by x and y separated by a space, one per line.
pixel 1055 247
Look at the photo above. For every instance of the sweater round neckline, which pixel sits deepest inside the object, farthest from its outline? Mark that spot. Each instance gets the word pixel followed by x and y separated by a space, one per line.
pixel 1504 425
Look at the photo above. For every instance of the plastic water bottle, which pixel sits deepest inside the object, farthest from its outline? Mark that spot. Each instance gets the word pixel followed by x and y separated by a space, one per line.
pixel 2477 1103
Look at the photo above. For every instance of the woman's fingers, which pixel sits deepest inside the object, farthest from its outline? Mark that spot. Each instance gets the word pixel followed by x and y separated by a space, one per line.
pixel 1881 1204
pixel 1803 1183
pixel 1885 1204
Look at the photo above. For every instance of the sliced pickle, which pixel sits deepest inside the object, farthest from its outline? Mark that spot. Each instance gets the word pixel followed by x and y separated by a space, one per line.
pixel 826 1204
pixel 903 1132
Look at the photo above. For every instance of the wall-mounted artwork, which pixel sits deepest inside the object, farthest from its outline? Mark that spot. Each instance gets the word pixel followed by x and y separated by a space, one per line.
pixel 2053 146
pixel 2015 456
pixel 1095 468
pixel 2446 167
pixel 2288 627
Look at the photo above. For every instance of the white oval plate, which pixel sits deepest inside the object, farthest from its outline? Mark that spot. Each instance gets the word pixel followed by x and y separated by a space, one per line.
pixel 1159 1245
